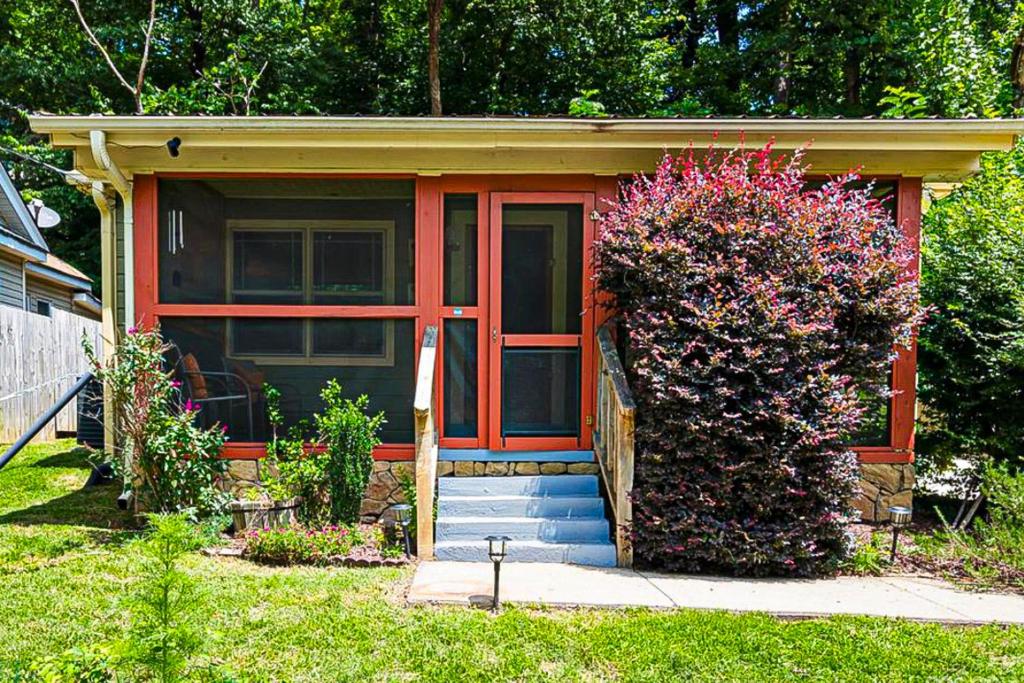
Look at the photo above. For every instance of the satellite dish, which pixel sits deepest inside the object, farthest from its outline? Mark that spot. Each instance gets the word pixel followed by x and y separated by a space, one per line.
pixel 44 216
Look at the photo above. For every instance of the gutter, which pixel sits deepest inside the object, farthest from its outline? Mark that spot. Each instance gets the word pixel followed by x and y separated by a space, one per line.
pixel 45 272
pixel 87 302
pixel 101 155
pixel 108 288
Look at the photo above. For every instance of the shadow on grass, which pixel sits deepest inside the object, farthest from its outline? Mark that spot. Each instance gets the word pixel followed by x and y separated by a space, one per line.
pixel 92 506
pixel 73 458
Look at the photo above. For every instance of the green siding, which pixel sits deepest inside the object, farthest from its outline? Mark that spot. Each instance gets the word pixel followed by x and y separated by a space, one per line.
pixel 119 241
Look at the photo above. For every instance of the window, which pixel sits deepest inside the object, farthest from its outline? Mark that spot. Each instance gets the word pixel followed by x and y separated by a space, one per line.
pixel 43 308
pixel 267 266
pixel 339 263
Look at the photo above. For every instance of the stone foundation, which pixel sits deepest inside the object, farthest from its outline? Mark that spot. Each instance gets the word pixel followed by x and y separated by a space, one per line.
pixel 881 486
pixel 382 492
pixel 466 468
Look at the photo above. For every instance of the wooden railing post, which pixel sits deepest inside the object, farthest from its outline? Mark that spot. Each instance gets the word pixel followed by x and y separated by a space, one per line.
pixel 426 444
pixel 613 440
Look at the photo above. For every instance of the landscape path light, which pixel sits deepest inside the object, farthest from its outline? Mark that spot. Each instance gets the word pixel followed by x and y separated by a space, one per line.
pixel 899 517
pixel 403 513
pixel 497 549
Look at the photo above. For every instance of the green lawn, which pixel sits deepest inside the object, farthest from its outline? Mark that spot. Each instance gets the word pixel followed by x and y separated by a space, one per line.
pixel 65 568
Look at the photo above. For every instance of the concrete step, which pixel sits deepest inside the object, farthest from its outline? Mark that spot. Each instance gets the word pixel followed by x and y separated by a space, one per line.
pixel 520 506
pixel 592 530
pixel 593 554
pixel 486 455
pixel 551 485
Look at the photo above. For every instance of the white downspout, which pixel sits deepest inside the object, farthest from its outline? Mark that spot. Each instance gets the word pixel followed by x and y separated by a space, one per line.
pixel 108 287
pixel 101 155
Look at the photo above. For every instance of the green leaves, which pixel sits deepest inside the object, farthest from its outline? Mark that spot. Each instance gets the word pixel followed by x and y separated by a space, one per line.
pixel 329 463
pixel 971 351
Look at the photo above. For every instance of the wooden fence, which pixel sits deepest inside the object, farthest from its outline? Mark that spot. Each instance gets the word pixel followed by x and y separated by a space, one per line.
pixel 40 358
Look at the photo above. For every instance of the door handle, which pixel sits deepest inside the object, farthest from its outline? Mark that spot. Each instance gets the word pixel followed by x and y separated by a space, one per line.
pixel 494 334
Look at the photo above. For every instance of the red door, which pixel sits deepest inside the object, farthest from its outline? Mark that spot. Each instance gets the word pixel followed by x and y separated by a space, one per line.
pixel 540 320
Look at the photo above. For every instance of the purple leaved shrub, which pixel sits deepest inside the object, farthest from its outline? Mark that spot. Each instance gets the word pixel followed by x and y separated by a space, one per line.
pixel 756 311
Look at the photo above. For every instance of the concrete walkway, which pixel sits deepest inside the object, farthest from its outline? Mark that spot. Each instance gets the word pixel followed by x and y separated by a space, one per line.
pixel 572 585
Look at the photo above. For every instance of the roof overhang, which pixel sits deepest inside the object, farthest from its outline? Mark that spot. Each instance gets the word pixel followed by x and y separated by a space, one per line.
pixel 19 248
pixel 45 272
pixel 935 149
pixel 87 302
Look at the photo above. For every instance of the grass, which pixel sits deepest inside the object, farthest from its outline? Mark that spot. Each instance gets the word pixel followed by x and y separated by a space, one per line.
pixel 67 566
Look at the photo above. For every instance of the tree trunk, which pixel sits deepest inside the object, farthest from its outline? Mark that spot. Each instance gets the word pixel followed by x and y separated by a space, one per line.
pixel 780 84
pixel 693 30
pixel 197 60
pixel 1017 71
pixel 851 76
pixel 728 26
pixel 434 8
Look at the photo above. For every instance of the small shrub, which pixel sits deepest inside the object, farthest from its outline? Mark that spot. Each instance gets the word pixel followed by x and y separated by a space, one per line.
pixel 348 436
pixel 758 312
pixel 293 545
pixel 329 468
pixel 869 558
pixel 169 462
pixel 167 621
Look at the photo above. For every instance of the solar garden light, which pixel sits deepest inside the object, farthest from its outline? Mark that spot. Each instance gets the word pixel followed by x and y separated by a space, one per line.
pixel 899 517
pixel 496 550
pixel 403 513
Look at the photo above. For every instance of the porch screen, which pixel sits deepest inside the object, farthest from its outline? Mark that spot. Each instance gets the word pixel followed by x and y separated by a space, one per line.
pixel 222 364
pixel 286 241
pixel 302 262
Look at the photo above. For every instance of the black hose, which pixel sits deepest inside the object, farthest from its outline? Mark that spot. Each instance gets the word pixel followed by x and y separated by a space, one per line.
pixel 38 425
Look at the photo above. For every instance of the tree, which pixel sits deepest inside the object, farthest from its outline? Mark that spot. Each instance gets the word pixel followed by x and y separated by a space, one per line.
pixel 140 78
pixel 971 351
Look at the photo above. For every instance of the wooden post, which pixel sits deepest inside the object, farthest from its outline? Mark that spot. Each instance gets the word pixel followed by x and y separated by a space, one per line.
pixel 426 445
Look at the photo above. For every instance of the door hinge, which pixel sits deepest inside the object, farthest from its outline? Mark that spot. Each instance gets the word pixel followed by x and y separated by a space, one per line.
pixel 590 420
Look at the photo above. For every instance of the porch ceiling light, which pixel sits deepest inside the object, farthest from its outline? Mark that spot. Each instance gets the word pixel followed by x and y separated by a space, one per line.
pixel 899 517
pixel 497 549
pixel 403 513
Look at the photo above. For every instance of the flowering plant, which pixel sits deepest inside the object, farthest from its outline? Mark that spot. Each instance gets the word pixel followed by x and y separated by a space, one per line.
pixel 161 453
pixel 295 545
pixel 758 312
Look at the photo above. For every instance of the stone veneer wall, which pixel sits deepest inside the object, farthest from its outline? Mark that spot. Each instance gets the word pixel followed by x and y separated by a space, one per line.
pixel 504 469
pixel 382 492
pixel 881 486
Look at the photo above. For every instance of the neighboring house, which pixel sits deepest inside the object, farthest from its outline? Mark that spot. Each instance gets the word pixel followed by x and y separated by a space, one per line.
pixel 31 278
pixel 292 250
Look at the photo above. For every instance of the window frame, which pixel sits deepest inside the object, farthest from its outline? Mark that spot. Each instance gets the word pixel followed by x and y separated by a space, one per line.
pixel 308 230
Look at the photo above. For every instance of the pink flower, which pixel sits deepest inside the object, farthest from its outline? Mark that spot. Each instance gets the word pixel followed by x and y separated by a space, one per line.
pixel 133 329
pixel 223 429
pixel 176 383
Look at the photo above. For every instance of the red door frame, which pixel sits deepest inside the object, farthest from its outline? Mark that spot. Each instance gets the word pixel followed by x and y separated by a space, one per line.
pixel 497 339
pixel 603 192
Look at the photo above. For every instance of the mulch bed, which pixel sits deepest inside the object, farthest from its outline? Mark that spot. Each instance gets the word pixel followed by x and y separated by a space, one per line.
pixel 361 556
pixel 913 561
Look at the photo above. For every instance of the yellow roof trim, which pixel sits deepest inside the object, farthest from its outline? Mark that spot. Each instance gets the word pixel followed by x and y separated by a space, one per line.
pixel 939 149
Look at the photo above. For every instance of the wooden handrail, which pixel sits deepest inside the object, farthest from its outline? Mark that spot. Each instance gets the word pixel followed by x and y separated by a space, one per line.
pixel 425 411
pixel 613 440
